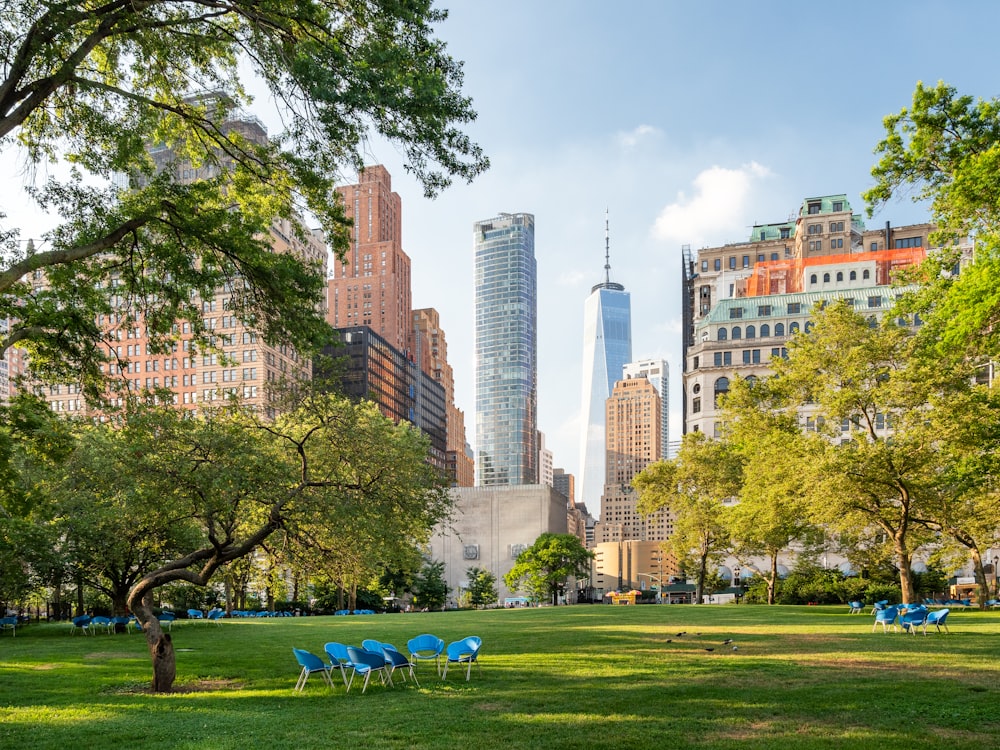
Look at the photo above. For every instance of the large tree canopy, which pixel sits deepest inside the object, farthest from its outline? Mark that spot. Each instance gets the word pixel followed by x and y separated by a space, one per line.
pixel 101 83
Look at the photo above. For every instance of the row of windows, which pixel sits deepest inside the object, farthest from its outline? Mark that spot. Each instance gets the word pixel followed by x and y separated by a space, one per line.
pixel 852 276
pixel 717 263
pixel 765 331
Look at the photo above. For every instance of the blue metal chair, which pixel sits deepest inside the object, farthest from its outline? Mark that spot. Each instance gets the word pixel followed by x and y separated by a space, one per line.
pixel 196 614
pixel 856 608
pixel 366 663
pixel 101 622
pixel 887 617
pixel 80 624
pixel 426 647
pixel 339 660
pixel 216 615
pixel 913 618
pixel 310 663
pixel 465 651
pixel 395 660
pixel 9 623
pixel 166 620
pixel 937 619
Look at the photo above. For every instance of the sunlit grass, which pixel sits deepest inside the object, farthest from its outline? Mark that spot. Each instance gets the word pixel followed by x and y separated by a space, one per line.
pixel 567 677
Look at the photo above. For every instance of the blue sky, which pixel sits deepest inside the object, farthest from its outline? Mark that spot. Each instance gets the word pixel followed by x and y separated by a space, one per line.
pixel 688 121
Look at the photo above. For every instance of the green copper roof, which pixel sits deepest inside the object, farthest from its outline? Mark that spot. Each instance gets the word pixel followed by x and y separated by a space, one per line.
pixel 825 204
pixel 765 232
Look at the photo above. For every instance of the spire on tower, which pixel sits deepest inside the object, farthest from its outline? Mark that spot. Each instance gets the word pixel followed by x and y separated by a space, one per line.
pixel 607 250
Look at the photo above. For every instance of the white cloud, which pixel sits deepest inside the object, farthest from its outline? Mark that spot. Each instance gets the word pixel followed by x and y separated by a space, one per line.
pixel 571 278
pixel 631 138
pixel 717 209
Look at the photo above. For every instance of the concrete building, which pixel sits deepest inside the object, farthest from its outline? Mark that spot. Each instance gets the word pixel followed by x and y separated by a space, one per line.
pixel 565 483
pixel 372 286
pixel 506 351
pixel 607 347
pixel 742 302
pixel 627 565
pixel 545 470
pixel 491 527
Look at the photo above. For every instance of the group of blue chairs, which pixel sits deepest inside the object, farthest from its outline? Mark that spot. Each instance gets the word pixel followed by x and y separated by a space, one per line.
pixel 343 612
pixel 909 617
pixel 89 625
pixel 385 660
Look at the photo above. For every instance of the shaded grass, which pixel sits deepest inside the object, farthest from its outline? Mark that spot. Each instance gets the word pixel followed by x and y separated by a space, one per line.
pixel 567 677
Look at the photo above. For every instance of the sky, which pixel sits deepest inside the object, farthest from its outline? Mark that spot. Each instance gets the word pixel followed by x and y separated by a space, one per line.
pixel 688 122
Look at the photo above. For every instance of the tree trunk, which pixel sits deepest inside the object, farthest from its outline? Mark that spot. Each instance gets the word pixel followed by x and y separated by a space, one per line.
pixel 227 582
pixel 699 590
pixel 772 581
pixel 161 647
pixel 79 595
pixel 905 574
pixel 980 573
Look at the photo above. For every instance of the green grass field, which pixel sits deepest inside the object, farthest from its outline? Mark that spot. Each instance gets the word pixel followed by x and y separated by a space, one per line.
pixel 558 677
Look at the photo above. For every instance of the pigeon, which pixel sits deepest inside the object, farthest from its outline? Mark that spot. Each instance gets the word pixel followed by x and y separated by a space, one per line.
pixel 670 640
pixel 736 648
pixel 727 641
pixel 681 633
pixel 710 649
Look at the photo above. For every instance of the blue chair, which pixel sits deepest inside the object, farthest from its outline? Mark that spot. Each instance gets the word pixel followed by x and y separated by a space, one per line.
pixel 310 663
pixel 879 606
pixel 856 608
pixel 395 660
pixel 101 622
pixel 166 620
pixel 937 619
pixel 426 647
pixel 465 651
pixel 216 616
pixel 80 624
pixel 913 618
pixel 366 663
pixel 339 660
pixel 887 617
pixel 196 614
pixel 9 623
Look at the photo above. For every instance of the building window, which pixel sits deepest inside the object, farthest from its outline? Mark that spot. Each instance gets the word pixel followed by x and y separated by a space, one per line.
pixel 812 279
pixel 837 244
pixel 875 301
pixel 854 275
pixel 785 234
pixel 735 312
pixel 746 356
pixel 908 242
pixel 760 258
pixel 874 246
pixel 696 388
pixel 765 331
pixel 813 208
pixel 836 226
pixel 695 365
pixel 696 405
pixel 764 310
pixel 779 329
pixel 723 334
pixel 816 246
pixel 755 356
pixel 793 328
pixel 840 275
pixel 718 359
pixel 718 264
pixel 704 265
pixel 751 332
pixel 794 308
pixel 838 206
pixel 826 278
pixel 814 229
pixel 866 274
pixel 774 256
pixel 732 262
pixel 746 261
pixel 727 358
pixel 737 333
pixel 721 386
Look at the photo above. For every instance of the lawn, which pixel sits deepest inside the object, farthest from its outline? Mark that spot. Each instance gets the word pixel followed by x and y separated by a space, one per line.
pixel 557 677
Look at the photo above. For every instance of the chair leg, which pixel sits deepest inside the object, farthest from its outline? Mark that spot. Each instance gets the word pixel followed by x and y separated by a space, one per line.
pixel 444 674
pixel 468 672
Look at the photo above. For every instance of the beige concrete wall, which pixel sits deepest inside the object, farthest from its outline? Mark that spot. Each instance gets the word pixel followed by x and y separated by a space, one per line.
pixel 490 527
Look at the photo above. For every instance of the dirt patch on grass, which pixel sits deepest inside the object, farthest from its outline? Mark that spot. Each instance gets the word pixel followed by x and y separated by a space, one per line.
pixel 198 686
pixel 492 707
pixel 105 655
pixel 44 667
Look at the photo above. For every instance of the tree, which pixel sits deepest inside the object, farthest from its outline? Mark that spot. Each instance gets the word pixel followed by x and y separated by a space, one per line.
pixel 945 148
pixel 694 487
pixel 482 587
pixel 332 477
pixel 862 373
pixel 544 567
pixel 99 85
pixel 430 590
pixel 772 512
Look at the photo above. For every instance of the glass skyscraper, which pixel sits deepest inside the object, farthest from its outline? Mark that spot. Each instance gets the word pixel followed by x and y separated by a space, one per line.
pixel 506 351
pixel 607 348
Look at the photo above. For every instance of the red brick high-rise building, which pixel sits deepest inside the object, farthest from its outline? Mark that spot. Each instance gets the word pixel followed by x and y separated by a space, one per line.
pixel 372 286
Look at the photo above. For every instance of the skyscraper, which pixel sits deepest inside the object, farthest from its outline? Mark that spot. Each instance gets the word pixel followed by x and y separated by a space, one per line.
pixel 607 347
pixel 506 351
pixel 656 372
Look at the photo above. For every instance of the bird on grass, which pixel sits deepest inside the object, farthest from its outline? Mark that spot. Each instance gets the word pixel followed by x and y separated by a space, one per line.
pixel 710 649
pixel 727 641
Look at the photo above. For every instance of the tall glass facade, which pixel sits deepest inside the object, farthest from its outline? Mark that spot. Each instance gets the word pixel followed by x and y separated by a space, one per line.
pixel 607 348
pixel 506 351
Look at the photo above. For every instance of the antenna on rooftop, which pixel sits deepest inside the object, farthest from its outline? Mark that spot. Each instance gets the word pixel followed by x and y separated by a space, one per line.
pixel 607 249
